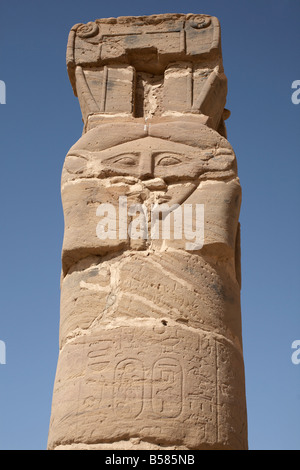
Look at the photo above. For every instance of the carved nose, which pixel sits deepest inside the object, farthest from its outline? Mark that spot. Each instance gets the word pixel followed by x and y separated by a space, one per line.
pixel 146 167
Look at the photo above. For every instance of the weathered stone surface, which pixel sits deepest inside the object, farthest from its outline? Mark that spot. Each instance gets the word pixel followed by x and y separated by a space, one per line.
pixel 175 285
pixel 150 328
pixel 169 385
pixel 175 59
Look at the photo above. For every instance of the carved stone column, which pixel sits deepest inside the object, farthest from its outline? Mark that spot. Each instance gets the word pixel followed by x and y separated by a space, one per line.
pixel 150 332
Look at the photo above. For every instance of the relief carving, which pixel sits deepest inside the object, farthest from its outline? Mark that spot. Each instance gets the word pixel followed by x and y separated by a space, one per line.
pixel 150 327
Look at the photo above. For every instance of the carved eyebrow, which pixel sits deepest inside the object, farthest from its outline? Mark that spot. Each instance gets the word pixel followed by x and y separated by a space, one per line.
pixel 85 154
pixel 179 156
pixel 116 158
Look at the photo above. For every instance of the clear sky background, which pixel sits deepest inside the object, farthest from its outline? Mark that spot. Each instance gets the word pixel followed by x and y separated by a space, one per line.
pixel 41 120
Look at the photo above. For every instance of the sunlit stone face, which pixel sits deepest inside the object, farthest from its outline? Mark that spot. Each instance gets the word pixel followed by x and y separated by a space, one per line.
pixel 167 171
pixel 149 158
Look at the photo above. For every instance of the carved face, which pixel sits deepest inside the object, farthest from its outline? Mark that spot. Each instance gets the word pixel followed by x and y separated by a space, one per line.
pixel 152 158
pixel 169 169
pixel 144 160
pixel 159 166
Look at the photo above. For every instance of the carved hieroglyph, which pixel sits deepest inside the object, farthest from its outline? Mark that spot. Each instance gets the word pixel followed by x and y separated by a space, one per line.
pixel 150 331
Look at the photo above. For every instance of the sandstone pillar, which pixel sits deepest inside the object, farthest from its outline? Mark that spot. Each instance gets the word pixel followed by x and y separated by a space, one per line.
pixel 150 331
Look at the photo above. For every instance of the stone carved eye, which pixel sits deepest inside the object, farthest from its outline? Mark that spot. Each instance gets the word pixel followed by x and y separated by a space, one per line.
pixel 168 160
pixel 127 160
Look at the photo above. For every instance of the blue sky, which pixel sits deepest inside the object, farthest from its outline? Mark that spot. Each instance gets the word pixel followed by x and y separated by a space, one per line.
pixel 41 120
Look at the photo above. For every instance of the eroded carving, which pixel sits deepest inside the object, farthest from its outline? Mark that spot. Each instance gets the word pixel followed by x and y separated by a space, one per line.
pixel 150 326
